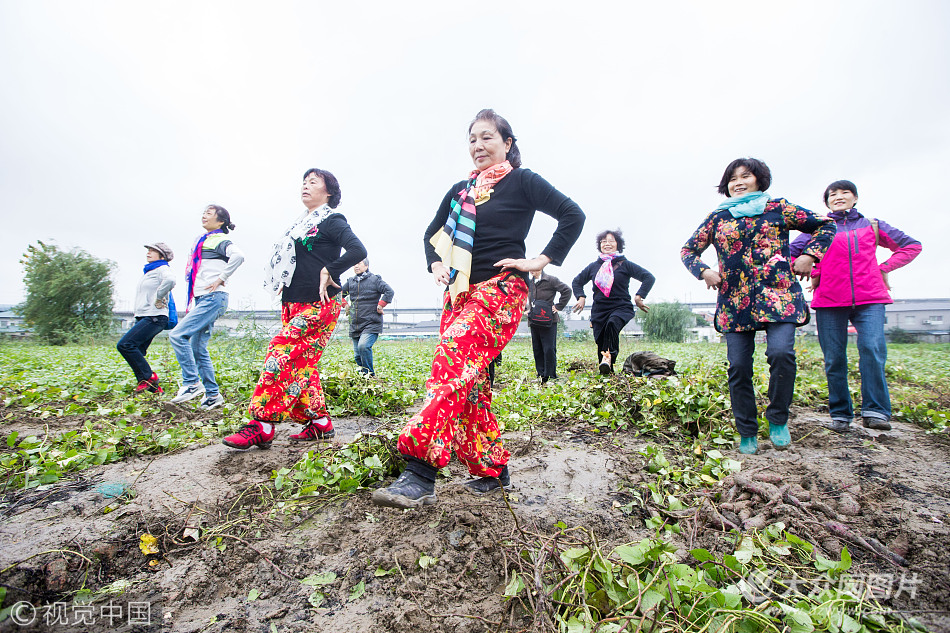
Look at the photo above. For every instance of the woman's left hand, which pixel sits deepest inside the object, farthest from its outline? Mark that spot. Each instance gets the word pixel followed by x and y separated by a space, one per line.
pixel 325 281
pixel 214 286
pixel 639 301
pixel 524 265
pixel 803 265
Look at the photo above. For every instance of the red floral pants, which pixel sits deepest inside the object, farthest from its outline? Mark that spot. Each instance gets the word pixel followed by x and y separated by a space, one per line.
pixel 289 386
pixel 456 414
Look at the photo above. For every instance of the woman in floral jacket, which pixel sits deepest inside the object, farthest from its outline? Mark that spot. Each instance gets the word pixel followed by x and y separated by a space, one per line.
pixel 757 288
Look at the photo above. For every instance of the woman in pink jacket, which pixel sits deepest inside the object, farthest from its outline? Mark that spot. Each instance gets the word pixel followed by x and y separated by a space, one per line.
pixel 850 285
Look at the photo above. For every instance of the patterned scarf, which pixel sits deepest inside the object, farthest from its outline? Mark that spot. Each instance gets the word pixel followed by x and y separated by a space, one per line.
pixel 605 276
pixel 747 205
pixel 453 244
pixel 279 270
pixel 191 268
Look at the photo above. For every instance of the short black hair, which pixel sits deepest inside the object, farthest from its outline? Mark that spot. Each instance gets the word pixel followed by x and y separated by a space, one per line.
pixel 504 128
pixel 223 216
pixel 618 235
pixel 843 185
pixel 761 171
pixel 331 183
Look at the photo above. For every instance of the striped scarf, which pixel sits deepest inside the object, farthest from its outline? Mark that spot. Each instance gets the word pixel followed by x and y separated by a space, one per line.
pixel 454 243
pixel 604 279
pixel 191 268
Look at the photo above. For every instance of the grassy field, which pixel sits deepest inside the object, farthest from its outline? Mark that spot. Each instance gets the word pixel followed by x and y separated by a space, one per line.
pixel 68 413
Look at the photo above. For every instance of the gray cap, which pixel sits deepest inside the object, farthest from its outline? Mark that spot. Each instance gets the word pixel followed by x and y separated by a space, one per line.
pixel 164 249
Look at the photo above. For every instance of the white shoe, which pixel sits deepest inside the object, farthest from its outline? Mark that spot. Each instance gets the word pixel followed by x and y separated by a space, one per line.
pixel 189 392
pixel 211 402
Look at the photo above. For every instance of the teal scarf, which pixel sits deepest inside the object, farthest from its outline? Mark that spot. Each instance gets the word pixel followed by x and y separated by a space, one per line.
pixel 747 205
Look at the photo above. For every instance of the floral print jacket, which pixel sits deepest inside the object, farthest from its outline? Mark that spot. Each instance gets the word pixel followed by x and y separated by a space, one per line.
pixel 758 285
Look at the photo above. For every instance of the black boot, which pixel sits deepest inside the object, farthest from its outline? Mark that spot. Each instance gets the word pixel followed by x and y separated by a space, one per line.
pixel 487 484
pixel 414 487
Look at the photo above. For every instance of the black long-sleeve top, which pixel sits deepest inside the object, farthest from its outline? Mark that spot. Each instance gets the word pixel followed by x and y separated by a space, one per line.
pixel 334 237
pixel 619 301
pixel 502 223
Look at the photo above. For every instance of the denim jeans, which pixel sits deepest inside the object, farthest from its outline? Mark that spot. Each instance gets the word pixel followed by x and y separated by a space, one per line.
pixel 363 351
pixel 544 345
pixel 868 320
pixel 134 345
pixel 190 338
pixel 780 352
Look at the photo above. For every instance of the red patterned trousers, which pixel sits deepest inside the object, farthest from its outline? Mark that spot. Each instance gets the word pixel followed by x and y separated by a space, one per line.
pixel 289 386
pixel 456 414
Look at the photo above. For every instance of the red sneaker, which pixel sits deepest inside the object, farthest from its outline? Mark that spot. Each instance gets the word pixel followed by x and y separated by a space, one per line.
pixel 149 384
pixel 311 431
pixel 251 434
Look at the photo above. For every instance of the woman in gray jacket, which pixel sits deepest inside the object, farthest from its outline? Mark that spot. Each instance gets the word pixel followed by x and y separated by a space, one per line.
pixel 369 295
pixel 151 315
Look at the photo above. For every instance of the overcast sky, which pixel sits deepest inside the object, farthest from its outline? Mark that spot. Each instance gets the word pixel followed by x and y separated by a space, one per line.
pixel 121 121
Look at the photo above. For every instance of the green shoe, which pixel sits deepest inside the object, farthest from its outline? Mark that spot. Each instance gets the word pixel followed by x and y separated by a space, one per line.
pixel 779 436
pixel 749 445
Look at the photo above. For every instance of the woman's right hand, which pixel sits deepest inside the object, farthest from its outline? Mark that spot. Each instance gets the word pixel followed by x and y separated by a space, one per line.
pixel 440 273
pixel 579 306
pixel 712 278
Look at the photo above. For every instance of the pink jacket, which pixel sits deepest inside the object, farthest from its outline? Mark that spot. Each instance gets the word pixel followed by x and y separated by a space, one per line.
pixel 849 274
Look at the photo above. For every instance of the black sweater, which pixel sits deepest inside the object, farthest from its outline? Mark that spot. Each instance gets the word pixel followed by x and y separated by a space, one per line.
pixel 335 236
pixel 502 223
pixel 619 299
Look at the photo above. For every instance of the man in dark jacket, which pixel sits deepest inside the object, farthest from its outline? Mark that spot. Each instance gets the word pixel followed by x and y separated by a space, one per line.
pixel 542 288
pixel 368 295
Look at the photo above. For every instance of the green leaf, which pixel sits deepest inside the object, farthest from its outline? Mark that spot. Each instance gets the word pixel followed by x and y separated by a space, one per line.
pixel 380 572
pixel 798 621
pixel 426 561
pixel 318 580
pixel 514 586
pixel 11 439
pixel 357 591
pixel 650 599
pixel 316 598
pixel 746 550
pixel 701 555
pixel 252 595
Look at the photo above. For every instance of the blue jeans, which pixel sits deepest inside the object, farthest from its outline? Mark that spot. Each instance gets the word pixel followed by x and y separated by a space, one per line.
pixel 190 338
pixel 868 320
pixel 363 351
pixel 780 352
pixel 134 345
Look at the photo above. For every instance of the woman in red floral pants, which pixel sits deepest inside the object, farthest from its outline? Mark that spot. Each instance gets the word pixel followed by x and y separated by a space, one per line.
pixel 304 271
pixel 485 272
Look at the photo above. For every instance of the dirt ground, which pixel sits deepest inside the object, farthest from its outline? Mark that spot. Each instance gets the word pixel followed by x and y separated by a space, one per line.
pixel 900 481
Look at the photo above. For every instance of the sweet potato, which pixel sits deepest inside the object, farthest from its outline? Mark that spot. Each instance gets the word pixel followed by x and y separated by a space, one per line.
pixel 847 505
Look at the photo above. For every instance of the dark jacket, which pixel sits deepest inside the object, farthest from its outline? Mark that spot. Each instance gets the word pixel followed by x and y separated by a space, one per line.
pixel 502 223
pixel 364 292
pixel 323 250
pixel 545 288
pixel 617 307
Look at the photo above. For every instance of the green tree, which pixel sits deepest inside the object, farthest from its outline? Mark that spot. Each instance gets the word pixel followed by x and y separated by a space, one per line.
pixel 668 322
pixel 68 294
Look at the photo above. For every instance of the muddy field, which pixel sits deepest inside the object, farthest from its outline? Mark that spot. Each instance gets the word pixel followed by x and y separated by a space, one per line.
pixel 441 568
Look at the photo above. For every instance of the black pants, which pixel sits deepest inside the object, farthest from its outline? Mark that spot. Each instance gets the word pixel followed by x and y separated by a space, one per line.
pixel 544 343
pixel 134 345
pixel 609 341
